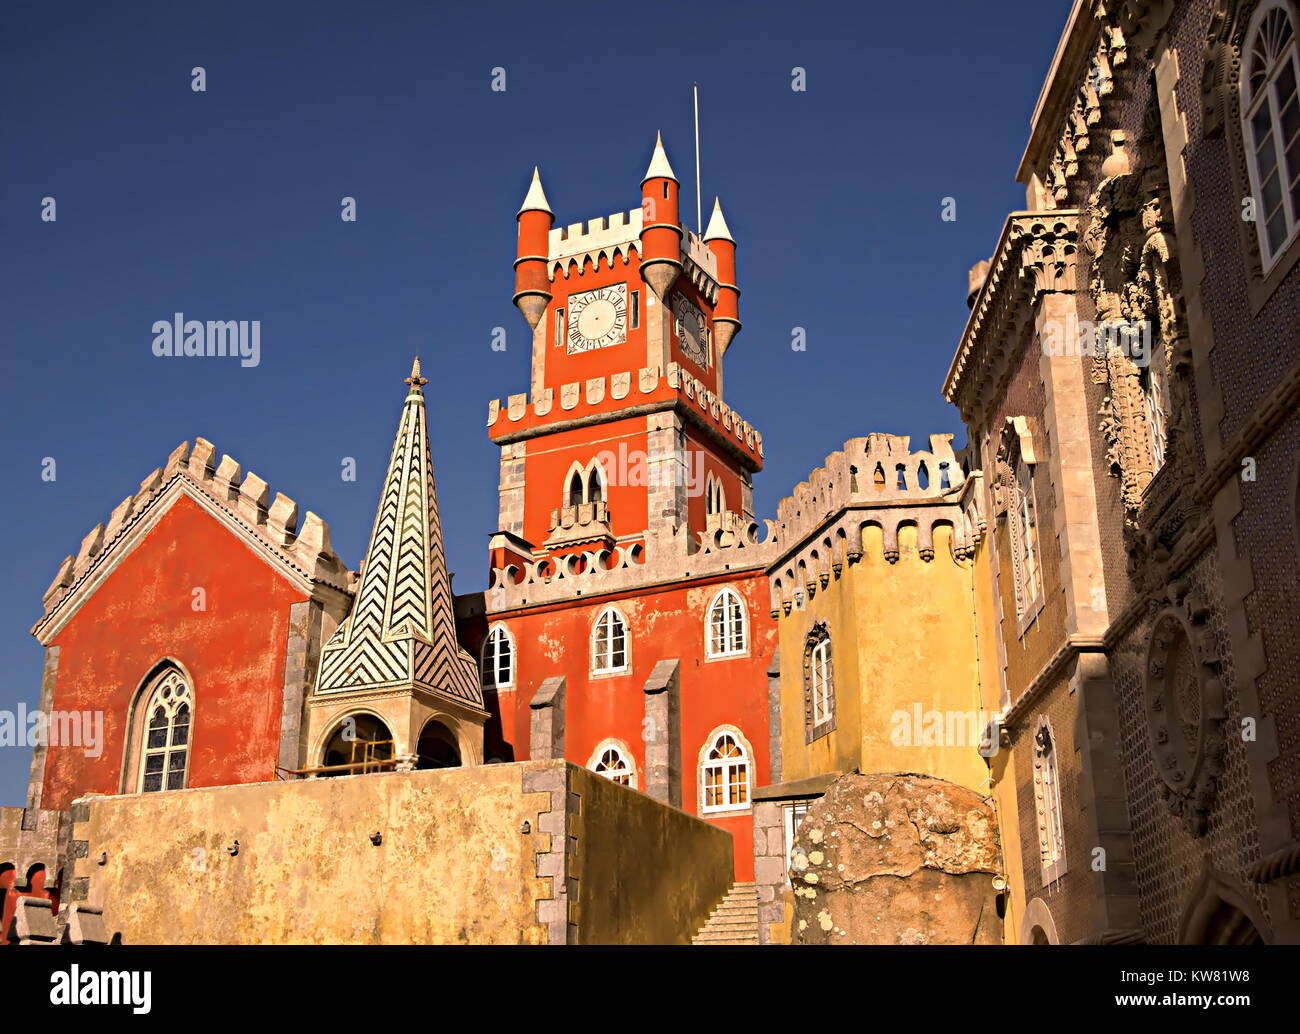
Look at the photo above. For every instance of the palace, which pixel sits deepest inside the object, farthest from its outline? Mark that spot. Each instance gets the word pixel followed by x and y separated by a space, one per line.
pixel 1040 689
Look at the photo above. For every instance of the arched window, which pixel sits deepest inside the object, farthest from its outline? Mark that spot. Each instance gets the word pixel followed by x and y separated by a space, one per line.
pixel 612 760
pixel 585 484
pixel 498 659
pixel 1024 533
pixel 818 683
pixel 609 642
pixel 726 625
pixel 165 757
pixel 437 747
pixel 1270 113
pixel 361 743
pixel 724 773
pixel 1047 804
pixel 714 498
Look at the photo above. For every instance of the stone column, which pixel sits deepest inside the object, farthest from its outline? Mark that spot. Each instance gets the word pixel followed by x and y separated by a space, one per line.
pixel 663 747
pixel 546 730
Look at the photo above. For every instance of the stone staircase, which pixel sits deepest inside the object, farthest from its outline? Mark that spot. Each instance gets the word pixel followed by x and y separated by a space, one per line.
pixel 734 920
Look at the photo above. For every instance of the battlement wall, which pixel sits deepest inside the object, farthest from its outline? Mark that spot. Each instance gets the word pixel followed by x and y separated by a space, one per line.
pixel 873 481
pixel 654 387
pixel 243 500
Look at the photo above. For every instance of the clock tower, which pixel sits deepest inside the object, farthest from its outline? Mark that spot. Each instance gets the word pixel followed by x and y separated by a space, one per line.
pixel 624 431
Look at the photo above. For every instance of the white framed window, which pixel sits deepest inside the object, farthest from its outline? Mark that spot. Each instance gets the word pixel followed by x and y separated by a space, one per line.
pixel 1270 114
pixel 1025 533
pixel 499 658
pixel 165 756
pixel 613 760
pixel 1047 804
pixel 726 625
pixel 724 772
pixel 559 326
pixel 609 643
pixel 584 484
pixel 818 683
pixel 823 691
pixel 792 817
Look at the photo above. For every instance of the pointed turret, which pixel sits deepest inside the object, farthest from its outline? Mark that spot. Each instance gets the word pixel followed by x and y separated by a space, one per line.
pixel 726 314
pixel 400 638
pixel 532 282
pixel 661 231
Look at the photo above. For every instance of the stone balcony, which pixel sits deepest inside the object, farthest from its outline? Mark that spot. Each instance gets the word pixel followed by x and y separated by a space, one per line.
pixel 583 524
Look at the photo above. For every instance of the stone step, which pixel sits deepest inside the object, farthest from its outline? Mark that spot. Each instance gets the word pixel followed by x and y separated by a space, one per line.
pixel 734 920
pixel 735 913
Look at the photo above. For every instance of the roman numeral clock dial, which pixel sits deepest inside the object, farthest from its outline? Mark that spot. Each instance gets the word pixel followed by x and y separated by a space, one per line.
pixel 597 319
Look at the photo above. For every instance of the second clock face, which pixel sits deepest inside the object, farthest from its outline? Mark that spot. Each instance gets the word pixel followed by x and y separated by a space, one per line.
pixel 597 318
pixel 692 331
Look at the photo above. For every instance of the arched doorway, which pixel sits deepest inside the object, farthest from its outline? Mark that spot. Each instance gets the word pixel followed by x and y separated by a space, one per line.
pixel 438 747
pixel 361 743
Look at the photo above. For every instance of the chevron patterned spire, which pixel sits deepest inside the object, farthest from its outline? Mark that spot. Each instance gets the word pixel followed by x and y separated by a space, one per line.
pixel 402 629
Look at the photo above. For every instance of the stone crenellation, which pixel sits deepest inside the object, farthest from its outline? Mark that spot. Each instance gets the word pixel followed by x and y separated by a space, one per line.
pixel 244 499
pixel 618 386
pixel 879 474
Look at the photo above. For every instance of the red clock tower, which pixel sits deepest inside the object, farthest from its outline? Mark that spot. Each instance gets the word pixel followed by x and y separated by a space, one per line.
pixel 627 622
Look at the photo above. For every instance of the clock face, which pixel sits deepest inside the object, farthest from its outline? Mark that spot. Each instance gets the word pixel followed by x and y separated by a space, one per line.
pixel 597 318
pixel 692 331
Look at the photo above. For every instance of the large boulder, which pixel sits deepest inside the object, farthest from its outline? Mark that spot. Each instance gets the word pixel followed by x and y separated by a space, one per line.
pixel 896 859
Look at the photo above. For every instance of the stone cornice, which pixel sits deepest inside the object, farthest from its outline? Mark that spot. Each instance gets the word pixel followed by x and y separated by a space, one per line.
pixel 1036 255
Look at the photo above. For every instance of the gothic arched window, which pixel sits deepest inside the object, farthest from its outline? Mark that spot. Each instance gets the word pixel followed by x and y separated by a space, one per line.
pixel 818 683
pixel 714 498
pixel 576 491
pixel 612 760
pixel 726 625
pixel 609 643
pixel 165 747
pixel 1270 114
pixel 1047 804
pixel 499 658
pixel 724 772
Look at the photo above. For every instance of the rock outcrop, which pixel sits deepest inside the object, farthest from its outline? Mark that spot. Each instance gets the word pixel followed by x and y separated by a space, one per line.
pixel 896 859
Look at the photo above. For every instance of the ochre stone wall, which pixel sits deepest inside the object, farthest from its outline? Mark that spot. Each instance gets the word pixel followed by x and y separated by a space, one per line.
pixel 902 634
pixel 650 874
pixel 455 862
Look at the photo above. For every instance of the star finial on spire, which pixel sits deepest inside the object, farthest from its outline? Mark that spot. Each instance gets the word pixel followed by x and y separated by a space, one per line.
pixel 415 380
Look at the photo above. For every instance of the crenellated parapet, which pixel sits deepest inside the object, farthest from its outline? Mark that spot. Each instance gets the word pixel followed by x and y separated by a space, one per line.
pixel 650 390
pixel 241 501
pixel 877 481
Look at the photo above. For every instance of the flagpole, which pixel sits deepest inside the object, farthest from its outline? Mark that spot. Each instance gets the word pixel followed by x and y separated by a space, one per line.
pixel 699 210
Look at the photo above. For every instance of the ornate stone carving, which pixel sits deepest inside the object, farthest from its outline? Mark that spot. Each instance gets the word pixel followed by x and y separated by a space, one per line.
pixel 1140 350
pixel 1184 696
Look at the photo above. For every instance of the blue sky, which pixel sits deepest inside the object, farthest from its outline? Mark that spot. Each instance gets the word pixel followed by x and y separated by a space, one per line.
pixel 225 205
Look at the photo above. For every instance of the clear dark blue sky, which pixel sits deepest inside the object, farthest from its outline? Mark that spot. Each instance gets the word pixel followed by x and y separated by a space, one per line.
pixel 225 205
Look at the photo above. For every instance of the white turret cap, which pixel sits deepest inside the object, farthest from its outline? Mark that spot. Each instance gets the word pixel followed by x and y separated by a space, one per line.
pixel 718 229
pixel 659 167
pixel 535 200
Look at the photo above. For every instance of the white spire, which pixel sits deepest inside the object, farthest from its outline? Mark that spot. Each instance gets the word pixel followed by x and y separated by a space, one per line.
pixel 718 225
pixel 535 201
pixel 659 166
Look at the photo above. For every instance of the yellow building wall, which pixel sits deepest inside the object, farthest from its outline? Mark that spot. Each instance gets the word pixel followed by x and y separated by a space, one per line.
pixel 902 635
